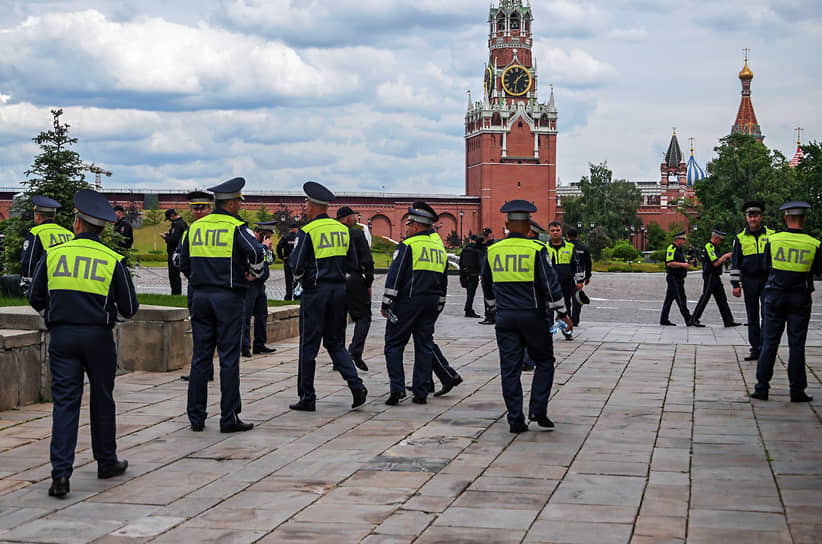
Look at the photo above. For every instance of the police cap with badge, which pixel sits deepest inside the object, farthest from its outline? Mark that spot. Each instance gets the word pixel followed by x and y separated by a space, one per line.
pixel 719 233
pixel 199 199
pixel 93 208
pixel 680 235
pixel 318 193
pixel 795 207
pixel 753 207
pixel 517 210
pixel 229 190
pixel 267 226
pixel 45 204
pixel 422 213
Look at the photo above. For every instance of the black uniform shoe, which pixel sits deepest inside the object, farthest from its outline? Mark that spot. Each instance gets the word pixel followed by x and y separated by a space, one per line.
pixel 667 323
pixel 303 406
pixel 517 428
pixel 733 324
pixel 59 487
pixel 246 353
pixel 359 397
pixel 759 394
pixel 451 385
pixel 394 398
pixel 419 400
pixel 359 363
pixel 185 378
pixel 429 386
pixel 487 321
pixel 542 421
pixel 197 427
pixel 264 349
pixel 753 356
pixel 236 427
pixel 800 397
pixel 110 470
pixel 472 313
pixel 695 324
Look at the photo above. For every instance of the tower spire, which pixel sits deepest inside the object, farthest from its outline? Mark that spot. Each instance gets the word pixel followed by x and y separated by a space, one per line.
pixel 798 155
pixel 746 122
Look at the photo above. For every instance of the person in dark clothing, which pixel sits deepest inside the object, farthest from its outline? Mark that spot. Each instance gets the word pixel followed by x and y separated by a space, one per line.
pixel 470 267
pixel 485 242
pixel 284 248
pixel 123 228
pixel 566 262
pixel 256 301
pixel 712 264
pixel 358 287
pixel 584 257
pixel 676 268
pixel 172 238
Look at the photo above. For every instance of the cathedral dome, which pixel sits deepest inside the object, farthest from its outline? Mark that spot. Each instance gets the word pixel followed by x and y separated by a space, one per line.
pixel 746 72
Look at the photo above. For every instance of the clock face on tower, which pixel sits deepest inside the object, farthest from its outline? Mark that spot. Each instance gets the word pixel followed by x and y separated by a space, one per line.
pixel 489 81
pixel 516 80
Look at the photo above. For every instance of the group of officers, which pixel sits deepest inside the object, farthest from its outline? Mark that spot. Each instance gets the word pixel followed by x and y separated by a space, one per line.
pixel 773 272
pixel 81 287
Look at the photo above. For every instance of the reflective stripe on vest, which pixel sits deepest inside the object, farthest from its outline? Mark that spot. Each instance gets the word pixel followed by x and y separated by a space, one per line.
pixel 427 253
pixel 513 260
pixel 751 245
pixel 81 265
pixel 51 234
pixel 793 251
pixel 213 236
pixel 711 250
pixel 329 237
pixel 561 255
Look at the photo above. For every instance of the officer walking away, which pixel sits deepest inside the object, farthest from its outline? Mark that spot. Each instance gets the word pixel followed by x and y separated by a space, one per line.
pixel 486 241
pixel 220 251
pixel 568 267
pixel 81 286
pixel 414 296
pixel 284 248
pixel 322 257
pixel 123 228
pixel 470 264
pixel 44 234
pixel 749 271
pixel 256 301
pixel 525 292
pixel 358 287
pixel 793 258
pixel 172 238
pixel 712 264
pixel 676 268
pixel 584 257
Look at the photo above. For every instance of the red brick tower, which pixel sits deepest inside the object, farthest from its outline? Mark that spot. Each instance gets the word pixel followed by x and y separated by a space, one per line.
pixel 510 138
pixel 746 118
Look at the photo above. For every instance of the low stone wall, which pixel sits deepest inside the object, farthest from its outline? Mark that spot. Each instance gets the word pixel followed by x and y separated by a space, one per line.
pixel 24 375
pixel 283 322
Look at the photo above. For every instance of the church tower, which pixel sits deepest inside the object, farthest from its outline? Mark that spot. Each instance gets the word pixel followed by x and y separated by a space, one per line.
pixel 510 137
pixel 746 118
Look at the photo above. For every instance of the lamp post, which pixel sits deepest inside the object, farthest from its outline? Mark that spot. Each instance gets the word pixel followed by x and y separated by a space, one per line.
pixel 633 234
pixel 461 214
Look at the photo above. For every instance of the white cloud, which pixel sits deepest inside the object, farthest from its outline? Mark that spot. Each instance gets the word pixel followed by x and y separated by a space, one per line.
pixel 575 68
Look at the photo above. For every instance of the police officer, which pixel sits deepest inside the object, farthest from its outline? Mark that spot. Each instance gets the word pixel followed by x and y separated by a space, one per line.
pixel 525 291
pixel 567 265
pixel 414 296
pixel 676 268
pixel 533 234
pixel 172 238
pixel 322 257
pixel 256 301
pixel 123 228
pixel 220 250
pixel 793 258
pixel 712 264
pixel 470 264
pixel 44 234
pixel 358 287
pixel 584 258
pixel 284 248
pixel 81 286
pixel 486 241
pixel 749 271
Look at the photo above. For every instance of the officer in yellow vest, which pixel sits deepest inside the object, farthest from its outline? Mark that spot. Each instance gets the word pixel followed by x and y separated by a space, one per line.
pixel 569 268
pixel 749 271
pixel 80 286
pixel 712 265
pixel 221 251
pixel 320 260
pixel 793 258
pixel 414 296
pixel 676 269
pixel 44 234
pixel 526 292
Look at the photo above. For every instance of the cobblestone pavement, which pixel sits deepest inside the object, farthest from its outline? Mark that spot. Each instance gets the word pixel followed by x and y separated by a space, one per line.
pixel 656 441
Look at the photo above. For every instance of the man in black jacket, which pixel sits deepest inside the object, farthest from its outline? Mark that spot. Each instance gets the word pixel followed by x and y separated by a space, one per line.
pixel 584 256
pixel 123 228
pixel 358 287
pixel 284 248
pixel 470 268
pixel 172 238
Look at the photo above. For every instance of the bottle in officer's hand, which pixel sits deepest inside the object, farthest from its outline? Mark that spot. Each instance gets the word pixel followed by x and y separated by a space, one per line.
pixel 558 326
pixel 392 317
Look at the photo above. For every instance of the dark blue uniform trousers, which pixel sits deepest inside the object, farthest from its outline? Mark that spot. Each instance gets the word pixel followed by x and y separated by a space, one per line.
pixel 675 293
pixel 74 349
pixel 216 321
pixel 415 317
pixel 780 308
pixel 445 372
pixel 752 290
pixel 322 319
pixel 190 299
pixel 256 304
pixel 712 286
pixel 517 331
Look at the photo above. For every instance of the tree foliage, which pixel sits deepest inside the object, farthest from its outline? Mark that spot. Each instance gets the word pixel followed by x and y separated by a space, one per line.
pixel 809 186
pixel 597 240
pixel 453 239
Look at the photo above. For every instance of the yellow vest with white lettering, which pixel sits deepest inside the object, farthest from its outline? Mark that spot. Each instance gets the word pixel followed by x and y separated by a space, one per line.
pixel 428 253
pixel 329 237
pixel 81 265
pixel 51 234
pixel 213 236
pixel 793 251
pixel 513 260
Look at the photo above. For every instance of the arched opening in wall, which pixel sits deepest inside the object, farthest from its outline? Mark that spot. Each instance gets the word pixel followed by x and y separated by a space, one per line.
pixel 380 225
pixel 515 21
pixel 500 22
pixel 446 226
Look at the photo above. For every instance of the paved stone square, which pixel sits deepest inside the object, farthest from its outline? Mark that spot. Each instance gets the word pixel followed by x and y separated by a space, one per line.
pixel 656 441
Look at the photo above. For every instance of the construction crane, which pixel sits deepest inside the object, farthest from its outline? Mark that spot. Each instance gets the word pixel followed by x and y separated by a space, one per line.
pixel 97 171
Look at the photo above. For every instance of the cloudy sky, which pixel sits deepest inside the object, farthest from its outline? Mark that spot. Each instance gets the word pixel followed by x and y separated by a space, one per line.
pixel 370 95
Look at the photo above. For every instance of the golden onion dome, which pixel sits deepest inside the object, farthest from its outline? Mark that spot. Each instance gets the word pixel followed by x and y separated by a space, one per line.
pixel 746 72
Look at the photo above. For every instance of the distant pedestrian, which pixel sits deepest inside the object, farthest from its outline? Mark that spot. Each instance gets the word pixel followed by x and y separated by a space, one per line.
pixel 584 257
pixel 123 228
pixel 284 248
pixel 358 286
pixel 568 267
pixel 172 238
pixel 712 265
pixel 486 242
pixel 676 269
pixel 256 301
pixel 470 264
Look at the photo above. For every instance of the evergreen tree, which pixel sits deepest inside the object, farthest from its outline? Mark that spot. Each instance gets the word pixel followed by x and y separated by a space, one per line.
pixel 809 186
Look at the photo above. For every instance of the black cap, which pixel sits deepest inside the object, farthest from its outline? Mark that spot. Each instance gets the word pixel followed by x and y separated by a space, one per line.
pixel 266 225
pixel 537 228
pixel 474 238
pixel 94 208
pixel 420 212
pixel 170 212
pixel 199 198
pixel 228 190
pixel 45 204
pixel 753 206
pixel 293 226
pixel 796 207
pixel 518 210
pixel 486 230
pixel 581 297
pixel 719 233
pixel 318 193
pixel 119 208
pixel 344 212
pixel 680 235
